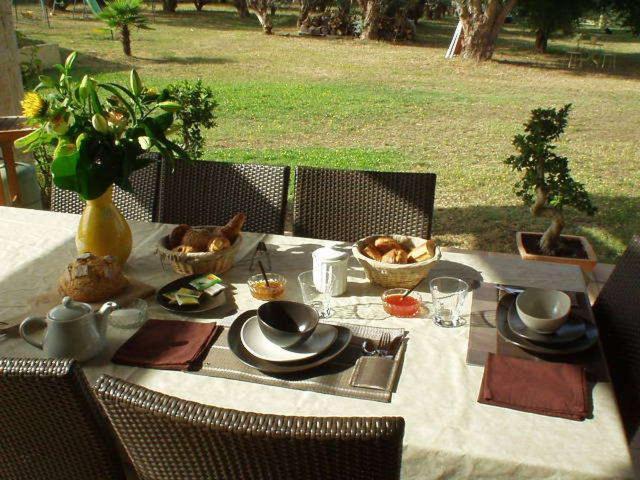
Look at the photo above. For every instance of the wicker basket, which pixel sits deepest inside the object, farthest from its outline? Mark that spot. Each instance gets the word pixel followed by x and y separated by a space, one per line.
pixel 198 262
pixel 391 275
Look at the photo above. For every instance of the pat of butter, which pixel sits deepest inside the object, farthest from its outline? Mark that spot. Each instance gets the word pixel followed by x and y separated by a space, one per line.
pixel 213 290
pixel 187 300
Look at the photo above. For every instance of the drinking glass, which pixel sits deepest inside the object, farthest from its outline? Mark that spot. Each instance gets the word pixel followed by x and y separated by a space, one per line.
pixel 448 295
pixel 318 295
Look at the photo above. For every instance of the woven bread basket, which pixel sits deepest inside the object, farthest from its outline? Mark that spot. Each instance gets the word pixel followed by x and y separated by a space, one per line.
pixel 199 262
pixel 391 275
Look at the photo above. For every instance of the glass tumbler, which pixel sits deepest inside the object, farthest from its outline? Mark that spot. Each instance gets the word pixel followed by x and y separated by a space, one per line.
pixel 317 295
pixel 448 295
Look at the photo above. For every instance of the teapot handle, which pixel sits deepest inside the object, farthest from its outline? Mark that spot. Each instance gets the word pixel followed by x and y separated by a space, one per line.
pixel 26 335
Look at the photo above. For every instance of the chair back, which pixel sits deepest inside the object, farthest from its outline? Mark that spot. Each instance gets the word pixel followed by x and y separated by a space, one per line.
pixel 51 426
pixel 349 205
pixel 617 312
pixel 210 193
pixel 140 205
pixel 172 439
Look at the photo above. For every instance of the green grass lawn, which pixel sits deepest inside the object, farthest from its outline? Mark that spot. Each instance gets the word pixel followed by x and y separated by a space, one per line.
pixel 352 104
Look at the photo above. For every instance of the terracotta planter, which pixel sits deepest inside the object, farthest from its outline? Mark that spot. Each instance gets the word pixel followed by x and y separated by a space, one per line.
pixel 587 264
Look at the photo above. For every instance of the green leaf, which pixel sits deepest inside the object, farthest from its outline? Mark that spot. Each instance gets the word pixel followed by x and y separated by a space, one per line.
pixel 68 63
pixel 169 106
pixel 47 81
pixel 64 166
pixel 29 141
pixel 135 82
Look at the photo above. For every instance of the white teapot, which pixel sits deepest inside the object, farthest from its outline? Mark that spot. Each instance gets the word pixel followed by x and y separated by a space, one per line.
pixel 73 330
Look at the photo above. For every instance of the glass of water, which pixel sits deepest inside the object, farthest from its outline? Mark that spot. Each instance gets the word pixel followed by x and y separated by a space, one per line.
pixel 317 293
pixel 448 295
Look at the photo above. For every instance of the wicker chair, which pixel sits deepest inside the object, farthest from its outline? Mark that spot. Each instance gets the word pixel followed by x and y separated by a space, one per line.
pixel 140 205
pixel 617 312
pixel 172 439
pixel 210 193
pixel 51 426
pixel 349 205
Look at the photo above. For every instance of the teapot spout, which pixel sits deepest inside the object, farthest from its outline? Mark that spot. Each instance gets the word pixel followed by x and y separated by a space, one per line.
pixel 103 314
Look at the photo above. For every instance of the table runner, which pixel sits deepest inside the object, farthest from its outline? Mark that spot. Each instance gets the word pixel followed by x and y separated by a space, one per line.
pixel 333 378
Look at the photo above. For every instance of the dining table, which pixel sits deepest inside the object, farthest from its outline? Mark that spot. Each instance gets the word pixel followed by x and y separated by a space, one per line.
pixel 448 433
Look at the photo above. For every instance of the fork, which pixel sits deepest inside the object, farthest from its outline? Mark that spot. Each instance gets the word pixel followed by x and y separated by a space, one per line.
pixel 384 344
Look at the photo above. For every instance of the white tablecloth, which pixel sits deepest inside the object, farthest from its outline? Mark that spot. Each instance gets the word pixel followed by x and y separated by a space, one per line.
pixel 448 434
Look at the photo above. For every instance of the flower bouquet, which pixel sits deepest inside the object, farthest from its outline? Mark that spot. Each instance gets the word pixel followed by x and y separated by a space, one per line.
pixel 99 130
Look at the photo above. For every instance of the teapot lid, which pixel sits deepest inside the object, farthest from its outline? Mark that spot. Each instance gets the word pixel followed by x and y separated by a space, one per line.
pixel 329 254
pixel 69 310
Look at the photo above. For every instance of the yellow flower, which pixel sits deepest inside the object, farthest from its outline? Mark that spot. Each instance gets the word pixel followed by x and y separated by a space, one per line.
pixel 33 105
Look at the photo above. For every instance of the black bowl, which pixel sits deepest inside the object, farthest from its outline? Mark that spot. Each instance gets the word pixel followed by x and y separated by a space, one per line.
pixel 287 324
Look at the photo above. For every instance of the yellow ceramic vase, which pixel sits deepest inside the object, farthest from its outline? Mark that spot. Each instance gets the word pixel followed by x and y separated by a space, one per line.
pixel 103 230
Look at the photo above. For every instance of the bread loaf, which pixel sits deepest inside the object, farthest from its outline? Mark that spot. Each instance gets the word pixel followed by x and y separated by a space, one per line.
pixel 92 279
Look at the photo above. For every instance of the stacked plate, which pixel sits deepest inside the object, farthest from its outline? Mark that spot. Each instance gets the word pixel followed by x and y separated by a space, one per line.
pixel 249 344
pixel 575 335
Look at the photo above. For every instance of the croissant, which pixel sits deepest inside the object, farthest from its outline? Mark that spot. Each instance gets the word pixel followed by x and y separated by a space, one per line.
pixel 384 244
pixel 233 227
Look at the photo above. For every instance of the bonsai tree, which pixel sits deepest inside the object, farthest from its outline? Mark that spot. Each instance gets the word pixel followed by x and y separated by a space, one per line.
pixel 122 15
pixel 546 182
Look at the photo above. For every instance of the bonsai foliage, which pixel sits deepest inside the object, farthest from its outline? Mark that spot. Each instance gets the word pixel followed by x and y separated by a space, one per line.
pixel 122 15
pixel 546 182
pixel 98 140
pixel 198 104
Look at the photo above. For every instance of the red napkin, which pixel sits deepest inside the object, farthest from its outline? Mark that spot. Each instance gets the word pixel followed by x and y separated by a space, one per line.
pixel 167 344
pixel 553 389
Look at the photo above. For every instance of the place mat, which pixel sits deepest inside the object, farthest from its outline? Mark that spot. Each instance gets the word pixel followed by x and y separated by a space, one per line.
pixel 42 303
pixel 332 378
pixel 484 337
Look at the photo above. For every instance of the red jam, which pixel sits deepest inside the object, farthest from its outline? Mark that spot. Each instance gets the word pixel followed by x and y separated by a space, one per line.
pixel 401 307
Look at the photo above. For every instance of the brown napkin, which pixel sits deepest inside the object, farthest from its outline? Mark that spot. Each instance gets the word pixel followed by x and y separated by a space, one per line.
pixel 554 389
pixel 167 344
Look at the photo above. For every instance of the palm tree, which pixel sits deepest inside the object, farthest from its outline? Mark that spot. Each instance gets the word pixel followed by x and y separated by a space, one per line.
pixel 121 15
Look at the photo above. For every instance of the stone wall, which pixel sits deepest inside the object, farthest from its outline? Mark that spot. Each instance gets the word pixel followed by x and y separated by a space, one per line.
pixel 10 78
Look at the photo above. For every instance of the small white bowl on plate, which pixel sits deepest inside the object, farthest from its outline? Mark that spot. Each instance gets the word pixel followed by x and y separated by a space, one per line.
pixel 543 311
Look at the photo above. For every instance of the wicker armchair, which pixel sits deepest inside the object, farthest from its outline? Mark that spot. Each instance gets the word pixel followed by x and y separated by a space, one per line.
pixel 210 193
pixel 172 439
pixel 617 312
pixel 51 426
pixel 140 205
pixel 349 205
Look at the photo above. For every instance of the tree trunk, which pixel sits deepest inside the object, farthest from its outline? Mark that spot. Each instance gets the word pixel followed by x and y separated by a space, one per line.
pixel 550 240
pixel 169 6
pixel 199 4
pixel 241 7
pixel 305 10
pixel 125 38
pixel 542 39
pixel 481 24
pixel 371 21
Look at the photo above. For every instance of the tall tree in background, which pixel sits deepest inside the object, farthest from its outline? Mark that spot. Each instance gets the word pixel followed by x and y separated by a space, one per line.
pixel 241 7
pixel 545 17
pixel 122 15
pixel 481 24
pixel 169 6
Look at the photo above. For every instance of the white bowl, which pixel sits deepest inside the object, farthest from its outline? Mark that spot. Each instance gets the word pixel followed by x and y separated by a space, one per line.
pixel 543 311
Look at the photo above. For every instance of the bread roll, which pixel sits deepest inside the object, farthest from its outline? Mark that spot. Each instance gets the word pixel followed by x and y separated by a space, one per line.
pixel 183 249
pixel 397 255
pixel 423 252
pixel 384 244
pixel 197 238
pixel 177 234
pixel 218 243
pixel 372 252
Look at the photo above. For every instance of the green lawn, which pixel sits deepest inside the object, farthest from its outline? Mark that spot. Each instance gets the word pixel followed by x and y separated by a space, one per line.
pixel 353 104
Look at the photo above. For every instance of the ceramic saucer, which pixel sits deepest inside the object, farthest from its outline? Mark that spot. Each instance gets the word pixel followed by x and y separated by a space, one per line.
pixel 273 368
pixel 572 329
pixel 254 340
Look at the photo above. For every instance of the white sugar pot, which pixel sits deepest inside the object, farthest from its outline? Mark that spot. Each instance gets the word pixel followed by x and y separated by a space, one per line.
pixel 327 259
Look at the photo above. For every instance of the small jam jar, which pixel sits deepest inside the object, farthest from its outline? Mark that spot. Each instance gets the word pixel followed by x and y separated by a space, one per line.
pixel 394 303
